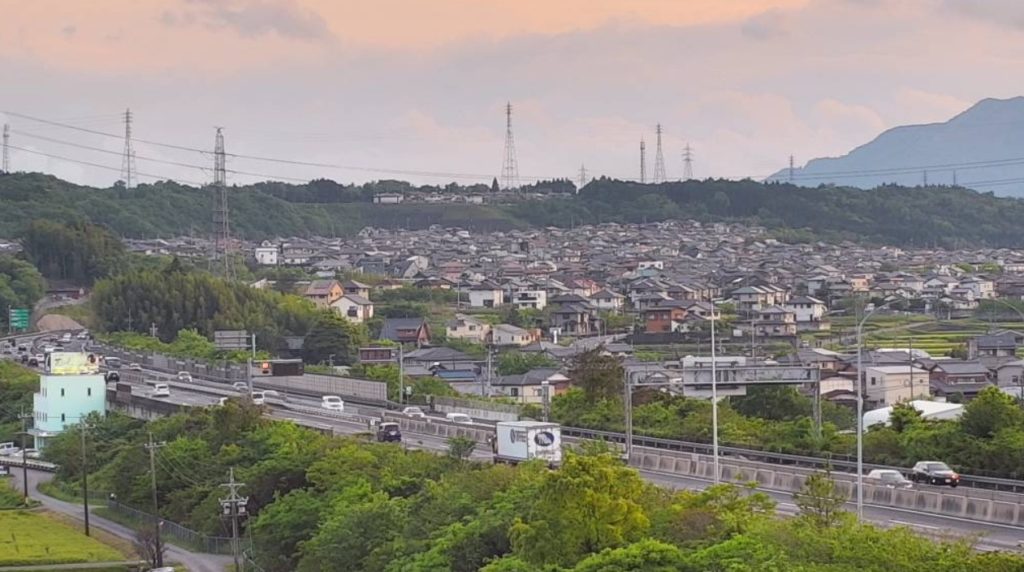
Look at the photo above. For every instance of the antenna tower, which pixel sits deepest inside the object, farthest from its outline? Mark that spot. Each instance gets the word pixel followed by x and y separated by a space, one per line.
pixel 790 168
pixel 687 163
pixel 643 161
pixel 510 165
pixel 221 226
pixel 6 166
pixel 659 161
pixel 583 177
pixel 954 174
pixel 128 157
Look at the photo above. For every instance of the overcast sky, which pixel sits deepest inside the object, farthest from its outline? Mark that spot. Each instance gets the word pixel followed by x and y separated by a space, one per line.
pixel 420 85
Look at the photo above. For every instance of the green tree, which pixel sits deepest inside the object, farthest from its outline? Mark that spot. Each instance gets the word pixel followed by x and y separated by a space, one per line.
pixel 21 286
pixel 990 412
pixel 779 403
pixel 288 522
pixel 600 376
pixel 819 499
pixel 461 448
pixel 335 336
pixel 513 362
pixel 80 252
pixel 903 416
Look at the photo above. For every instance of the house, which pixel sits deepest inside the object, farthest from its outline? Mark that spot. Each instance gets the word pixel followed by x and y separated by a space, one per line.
pixel 486 295
pixel 665 317
pixel 71 389
pixel 529 299
pixel 608 301
pixel 891 384
pixel 1009 373
pixel 949 377
pixel 406 331
pixel 753 298
pixel 323 293
pixel 572 314
pixel 529 387
pixel 1002 344
pixel 267 254
pixel 810 313
pixel 354 308
pixel 387 198
pixel 357 288
pixel 508 335
pixel 774 322
pixel 467 328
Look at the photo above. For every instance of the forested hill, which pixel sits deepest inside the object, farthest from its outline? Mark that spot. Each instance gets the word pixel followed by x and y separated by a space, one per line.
pixel 904 216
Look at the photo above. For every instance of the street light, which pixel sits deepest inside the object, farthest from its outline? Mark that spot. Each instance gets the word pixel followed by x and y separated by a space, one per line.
pixel 860 404
pixel 714 397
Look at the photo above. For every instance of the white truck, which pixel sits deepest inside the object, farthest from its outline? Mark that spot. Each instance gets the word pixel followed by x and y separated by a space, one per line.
pixel 520 441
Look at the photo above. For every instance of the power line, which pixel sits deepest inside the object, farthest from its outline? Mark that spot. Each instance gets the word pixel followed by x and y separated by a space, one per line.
pixel 107 167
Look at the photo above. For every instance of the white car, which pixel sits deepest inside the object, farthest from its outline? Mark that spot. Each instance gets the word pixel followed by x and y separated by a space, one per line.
pixel 66 338
pixel 258 397
pixel 8 449
pixel 184 377
pixel 241 386
pixel 413 412
pixel 332 402
pixel 31 453
pixel 134 367
pixel 161 390
pixel 459 418
pixel 888 478
pixel 222 401
pixel 83 335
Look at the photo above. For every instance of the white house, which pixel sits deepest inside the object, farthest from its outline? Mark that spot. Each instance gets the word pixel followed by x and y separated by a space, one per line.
pixel 608 301
pixel 529 299
pixel 467 328
pixel 508 335
pixel 891 384
pixel 267 254
pixel 353 308
pixel 486 295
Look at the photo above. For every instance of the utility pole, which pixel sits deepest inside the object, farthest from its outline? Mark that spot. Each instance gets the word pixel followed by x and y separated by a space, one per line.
pixel 24 456
pixel 546 388
pixel 487 380
pixel 687 163
pixel 401 375
pixel 129 318
pixel 659 160
pixel 152 447
pixel 643 161
pixel 152 329
pixel 85 479
pixel 128 156
pixel 510 163
pixel 6 166
pixel 233 507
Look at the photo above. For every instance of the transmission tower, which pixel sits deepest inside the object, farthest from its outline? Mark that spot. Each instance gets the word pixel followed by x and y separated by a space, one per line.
pixel 128 156
pixel 583 177
pixel 659 161
pixel 221 226
pixel 7 154
pixel 687 163
pixel 510 165
pixel 790 168
pixel 643 161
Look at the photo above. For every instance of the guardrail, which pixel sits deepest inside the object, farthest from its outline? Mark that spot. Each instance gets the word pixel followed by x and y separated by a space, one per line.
pixel 34 464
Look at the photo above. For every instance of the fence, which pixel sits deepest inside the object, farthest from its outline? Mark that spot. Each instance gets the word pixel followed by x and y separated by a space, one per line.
pixel 186 536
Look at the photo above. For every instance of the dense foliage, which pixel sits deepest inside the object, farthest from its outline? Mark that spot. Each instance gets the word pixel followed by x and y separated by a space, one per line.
pixel 21 286
pixel 175 299
pixel 80 252
pixel 341 504
pixel 188 344
pixel 920 216
pixel 17 384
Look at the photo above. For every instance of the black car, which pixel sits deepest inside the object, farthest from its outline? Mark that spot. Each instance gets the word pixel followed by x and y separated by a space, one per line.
pixel 112 376
pixel 934 473
pixel 389 433
pixel 33 362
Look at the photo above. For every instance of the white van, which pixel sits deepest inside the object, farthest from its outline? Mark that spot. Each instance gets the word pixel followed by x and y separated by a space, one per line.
pixel 161 390
pixel 459 418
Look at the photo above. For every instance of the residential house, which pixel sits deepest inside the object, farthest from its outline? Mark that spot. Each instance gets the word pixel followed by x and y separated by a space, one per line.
pixel 267 254
pixel 665 317
pixel 468 328
pixel 891 384
pixel 323 293
pixel 406 331
pixel 354 308
pixel 983 288
pixel 486 295
pixel 574 315
pixel 1009 374
pixel 809 312
pixel 529 387
pixel 503 335
pixel 524 299
pixel 608 301
pixel 1003 344
pixel 950 377
pixel 774 322
pixel 357 288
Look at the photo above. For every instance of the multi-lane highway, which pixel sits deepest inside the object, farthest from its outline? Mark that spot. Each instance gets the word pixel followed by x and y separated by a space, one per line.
pixel 306 410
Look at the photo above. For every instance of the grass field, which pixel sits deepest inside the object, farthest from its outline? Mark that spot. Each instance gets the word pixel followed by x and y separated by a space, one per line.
pixel 29 538
pixel 937 338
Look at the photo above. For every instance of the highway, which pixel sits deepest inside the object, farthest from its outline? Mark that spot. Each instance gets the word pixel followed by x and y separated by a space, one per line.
pixel 990 536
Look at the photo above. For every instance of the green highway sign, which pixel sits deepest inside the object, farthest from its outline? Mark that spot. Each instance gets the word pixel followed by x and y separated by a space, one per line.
pixel 18 318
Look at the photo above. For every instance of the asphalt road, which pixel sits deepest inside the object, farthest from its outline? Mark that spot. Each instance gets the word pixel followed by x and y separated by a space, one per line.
pixel 195 562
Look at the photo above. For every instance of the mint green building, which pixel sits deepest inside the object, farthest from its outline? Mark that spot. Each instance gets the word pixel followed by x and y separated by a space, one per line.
pixel 64 399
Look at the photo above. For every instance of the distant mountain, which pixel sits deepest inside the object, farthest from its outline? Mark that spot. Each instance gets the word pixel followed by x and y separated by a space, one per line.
pixel 981 148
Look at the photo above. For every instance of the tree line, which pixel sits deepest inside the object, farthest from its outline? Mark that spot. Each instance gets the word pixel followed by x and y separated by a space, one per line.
pixel 21 286
pixel 322 503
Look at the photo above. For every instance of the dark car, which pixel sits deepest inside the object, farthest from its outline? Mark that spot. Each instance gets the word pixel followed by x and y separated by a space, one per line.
pixel 934 473
pixel 389 433
pixel 112 376
pixel 33 361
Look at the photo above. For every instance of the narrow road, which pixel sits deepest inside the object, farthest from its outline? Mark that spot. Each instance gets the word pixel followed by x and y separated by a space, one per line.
pixel 194 561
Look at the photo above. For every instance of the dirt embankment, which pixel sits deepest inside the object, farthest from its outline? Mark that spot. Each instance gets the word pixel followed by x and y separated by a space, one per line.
pixel 51 322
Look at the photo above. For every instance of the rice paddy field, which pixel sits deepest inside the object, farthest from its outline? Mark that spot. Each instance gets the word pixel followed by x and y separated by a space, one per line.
pixel 32 538
pixel 925 333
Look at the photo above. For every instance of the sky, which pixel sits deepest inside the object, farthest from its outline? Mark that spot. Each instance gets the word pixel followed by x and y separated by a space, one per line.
pixel 416 90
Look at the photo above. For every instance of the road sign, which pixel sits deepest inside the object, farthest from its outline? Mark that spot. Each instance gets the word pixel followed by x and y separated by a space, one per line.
pixel 18 318
pixel 231 339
